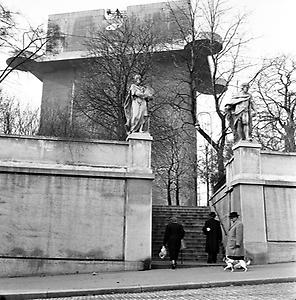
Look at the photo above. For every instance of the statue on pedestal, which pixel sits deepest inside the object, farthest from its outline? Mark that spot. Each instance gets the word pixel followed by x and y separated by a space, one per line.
pixel 136 106
pixel 240 111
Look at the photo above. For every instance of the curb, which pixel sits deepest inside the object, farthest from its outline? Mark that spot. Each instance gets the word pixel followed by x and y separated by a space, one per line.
pixel 141 289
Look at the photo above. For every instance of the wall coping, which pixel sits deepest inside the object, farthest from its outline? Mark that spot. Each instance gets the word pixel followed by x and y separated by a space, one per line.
pixel 143 136
pixel 246 144
pixel 219 190
pixel 262 182
pixel 70 156
pixel 269 152
pixel 72 170
pixel 62 139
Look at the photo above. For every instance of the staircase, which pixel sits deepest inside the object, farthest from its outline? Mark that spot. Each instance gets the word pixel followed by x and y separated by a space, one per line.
pixel 193 219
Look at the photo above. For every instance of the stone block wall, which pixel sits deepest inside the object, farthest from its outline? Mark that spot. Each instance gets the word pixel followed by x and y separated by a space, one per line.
pixel 74 206
pixel 261 187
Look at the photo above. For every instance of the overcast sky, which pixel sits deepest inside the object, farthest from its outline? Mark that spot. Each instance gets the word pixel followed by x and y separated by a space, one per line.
pixel 272 22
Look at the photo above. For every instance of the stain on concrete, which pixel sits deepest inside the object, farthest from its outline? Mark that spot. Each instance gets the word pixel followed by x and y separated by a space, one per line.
pixel 35 265
pixel 20 252
pixel 17 251
pixel 147 263
pixel 92 254
pixel 37 253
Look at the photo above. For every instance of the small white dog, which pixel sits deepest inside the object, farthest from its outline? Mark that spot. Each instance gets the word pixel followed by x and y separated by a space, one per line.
pixel 236 264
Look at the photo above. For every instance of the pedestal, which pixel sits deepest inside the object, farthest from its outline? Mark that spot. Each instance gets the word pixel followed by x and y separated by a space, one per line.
pixel 248 198
pixel 138 216
pixel 139 154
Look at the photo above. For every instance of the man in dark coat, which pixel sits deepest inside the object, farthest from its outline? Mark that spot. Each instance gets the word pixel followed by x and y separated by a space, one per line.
pixel 212 230
pixel 174 233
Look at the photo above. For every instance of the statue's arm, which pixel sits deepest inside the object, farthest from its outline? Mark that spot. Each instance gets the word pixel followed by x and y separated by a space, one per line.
pixel 238 99
pixel 253 108
pixel 136 91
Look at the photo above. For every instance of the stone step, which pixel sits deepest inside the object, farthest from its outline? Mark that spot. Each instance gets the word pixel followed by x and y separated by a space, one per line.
pixel 192 218
pixel 193 263
pixel 178 206
pixel 188 230
pixel 188 250
pixel 184 220
pixel 188 222
pixel 193 238
pixel 178 212
pixel 196 216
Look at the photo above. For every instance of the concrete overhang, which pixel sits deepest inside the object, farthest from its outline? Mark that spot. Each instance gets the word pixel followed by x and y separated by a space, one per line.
pixel 207 44
pixel 47 64
pixel 50 63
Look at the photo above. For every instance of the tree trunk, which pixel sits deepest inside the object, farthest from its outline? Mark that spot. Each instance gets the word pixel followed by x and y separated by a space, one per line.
pixel 169 198
pixel 290 139
pixel 221 168
pixel 177 192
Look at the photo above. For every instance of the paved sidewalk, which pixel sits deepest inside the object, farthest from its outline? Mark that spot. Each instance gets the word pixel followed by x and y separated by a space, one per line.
pixel 139 281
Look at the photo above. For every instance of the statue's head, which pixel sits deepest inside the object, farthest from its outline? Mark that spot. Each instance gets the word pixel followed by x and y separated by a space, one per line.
pixel 174 219
pixel 137 78
pixel 245 86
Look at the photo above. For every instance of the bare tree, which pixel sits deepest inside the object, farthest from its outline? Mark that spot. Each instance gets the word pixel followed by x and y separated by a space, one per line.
pixel 115 57
pixel 171 161
pixel 17 120
pixel 23 45
pixel 212 63
pixel 7 25
pixel 58 122
pixel 275 96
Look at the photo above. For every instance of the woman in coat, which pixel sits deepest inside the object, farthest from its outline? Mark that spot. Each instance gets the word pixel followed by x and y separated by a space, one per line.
pixel 235 245
pixel 174 233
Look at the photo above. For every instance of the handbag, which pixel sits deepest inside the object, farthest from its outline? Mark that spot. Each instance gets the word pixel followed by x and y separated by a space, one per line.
pixel 163 252
pixel 183 245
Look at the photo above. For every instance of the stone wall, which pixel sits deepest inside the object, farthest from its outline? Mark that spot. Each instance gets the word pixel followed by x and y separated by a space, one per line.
pixel 261 187
pixel 74 206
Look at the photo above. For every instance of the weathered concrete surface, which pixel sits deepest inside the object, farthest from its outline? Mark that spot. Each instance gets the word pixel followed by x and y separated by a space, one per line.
pixel 12 267
pixel 61 216
pixel 261 186
pixel 45 150
pixel 73 206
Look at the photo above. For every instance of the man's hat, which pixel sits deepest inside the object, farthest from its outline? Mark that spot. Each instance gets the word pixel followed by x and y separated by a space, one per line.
pixel 233 214
pixel 245 84
pixel 173 219
pixel 212 214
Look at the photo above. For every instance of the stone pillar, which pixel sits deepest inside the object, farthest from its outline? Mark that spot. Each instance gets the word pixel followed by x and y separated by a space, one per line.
pixel 139 156
pixel 138 207
pixel 248 198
